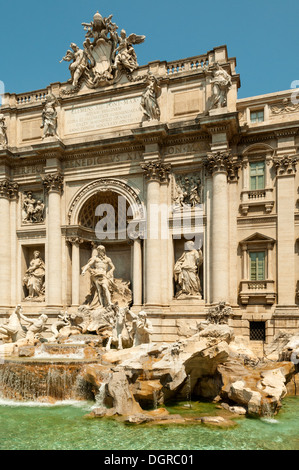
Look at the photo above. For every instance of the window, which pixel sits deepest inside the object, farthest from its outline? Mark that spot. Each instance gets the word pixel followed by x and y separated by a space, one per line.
pixel 257 116
pixel 257 175
pixel 257 330
pixel 257 265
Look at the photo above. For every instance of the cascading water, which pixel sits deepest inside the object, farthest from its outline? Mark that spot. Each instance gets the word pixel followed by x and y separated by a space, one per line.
pixel 30 380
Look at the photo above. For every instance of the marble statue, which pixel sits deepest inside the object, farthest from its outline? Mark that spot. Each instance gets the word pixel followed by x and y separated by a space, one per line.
pixel 49 117
pixel 142 328
pixel 219 314
pixel 105 289
pixel 149 102
pixel 221 83
pixel 187 191
pixel 33 209
pixel 37 326
pixel 104 57
pixel 13 330
pixel 34 278
pixel 101 270
pixel 120 336
pixel 3 129
pixel 125 53
pixel 79 63
pixel 186 272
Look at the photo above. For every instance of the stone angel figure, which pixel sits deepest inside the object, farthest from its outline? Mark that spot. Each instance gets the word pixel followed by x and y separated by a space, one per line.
pixel 3 129
pixel 149 101
pixel 125 53
pixel 79 64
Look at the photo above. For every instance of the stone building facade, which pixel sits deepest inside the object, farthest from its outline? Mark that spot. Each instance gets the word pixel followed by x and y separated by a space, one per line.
pixel 167 134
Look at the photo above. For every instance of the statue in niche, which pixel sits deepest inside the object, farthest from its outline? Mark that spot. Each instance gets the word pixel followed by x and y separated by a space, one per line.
pixel 187 191
pixel 221 83
pixel 105 289
pixel 186 272
pixel 149 102
pixel 49 117
pixel 3 129
pixel 219 314
pixel 104 57
pixel 34 279
pixel 33 209
pixel 101 270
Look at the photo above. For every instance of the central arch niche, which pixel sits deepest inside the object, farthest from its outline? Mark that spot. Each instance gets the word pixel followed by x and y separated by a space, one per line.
pixel 118 246
pixel 117 213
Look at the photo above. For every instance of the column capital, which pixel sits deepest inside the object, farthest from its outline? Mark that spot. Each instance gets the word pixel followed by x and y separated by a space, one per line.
pixel 74 241
pixel 156 171
pixel 53 182
pixel 286 165
pixel 8 189
pixel 222 162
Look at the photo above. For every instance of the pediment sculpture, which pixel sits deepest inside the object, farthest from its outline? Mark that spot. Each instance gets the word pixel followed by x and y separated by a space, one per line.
pixel 105 56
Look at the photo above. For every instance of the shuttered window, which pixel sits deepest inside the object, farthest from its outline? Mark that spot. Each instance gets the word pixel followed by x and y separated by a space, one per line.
pixel 257 175
pixel 257 266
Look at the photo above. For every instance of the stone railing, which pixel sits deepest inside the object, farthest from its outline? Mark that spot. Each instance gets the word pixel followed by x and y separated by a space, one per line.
pixel 30 98
pixel 257 194
pixel 192 64
pixel 264 290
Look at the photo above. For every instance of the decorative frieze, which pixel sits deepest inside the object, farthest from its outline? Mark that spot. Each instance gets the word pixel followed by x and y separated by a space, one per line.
pixel 53 182
pixel 286 165
pixel 156 171
pixel 8 189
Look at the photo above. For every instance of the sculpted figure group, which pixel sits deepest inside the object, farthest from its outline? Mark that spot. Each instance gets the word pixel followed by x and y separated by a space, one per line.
pixel 104 56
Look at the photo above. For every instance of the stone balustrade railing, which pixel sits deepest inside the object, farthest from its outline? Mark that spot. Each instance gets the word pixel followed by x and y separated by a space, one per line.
pixel 30 98
pixel 192 64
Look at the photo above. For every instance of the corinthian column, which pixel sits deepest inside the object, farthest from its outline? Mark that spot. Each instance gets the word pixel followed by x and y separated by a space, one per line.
pixel 53 183
pixel 156 173
pixel 220 165
pixel 8 191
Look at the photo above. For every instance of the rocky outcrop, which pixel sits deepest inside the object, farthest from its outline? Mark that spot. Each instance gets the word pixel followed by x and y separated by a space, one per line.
pixel 211 363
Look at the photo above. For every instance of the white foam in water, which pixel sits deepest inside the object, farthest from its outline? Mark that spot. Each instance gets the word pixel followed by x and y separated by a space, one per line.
pixel 77 403
pixel 40 354
pixel 270 420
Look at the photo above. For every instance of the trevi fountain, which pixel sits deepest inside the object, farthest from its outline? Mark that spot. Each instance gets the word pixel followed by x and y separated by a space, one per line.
pixel 139 341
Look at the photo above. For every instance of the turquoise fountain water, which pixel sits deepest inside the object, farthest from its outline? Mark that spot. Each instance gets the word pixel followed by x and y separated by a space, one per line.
pixel 64 426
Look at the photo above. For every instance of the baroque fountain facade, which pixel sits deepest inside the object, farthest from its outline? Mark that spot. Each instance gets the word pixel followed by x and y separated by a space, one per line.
pixel 144 252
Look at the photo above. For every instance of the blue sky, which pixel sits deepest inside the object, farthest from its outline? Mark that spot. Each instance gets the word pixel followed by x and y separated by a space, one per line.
pixel 263 35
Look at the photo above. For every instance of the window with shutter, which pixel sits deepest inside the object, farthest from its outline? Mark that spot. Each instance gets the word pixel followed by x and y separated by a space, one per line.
pixel 257 266
pixel 257 175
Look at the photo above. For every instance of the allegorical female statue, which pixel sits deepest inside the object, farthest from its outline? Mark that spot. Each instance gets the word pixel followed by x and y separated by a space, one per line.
pixel 49 117
pixel 186 272
pixel 149 102
pixel 34 278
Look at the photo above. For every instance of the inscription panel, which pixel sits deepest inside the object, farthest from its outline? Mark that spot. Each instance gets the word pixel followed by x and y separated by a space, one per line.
pixel 103 115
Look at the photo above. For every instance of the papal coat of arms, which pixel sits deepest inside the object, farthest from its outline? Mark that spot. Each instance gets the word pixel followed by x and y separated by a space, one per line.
pixel 105 56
